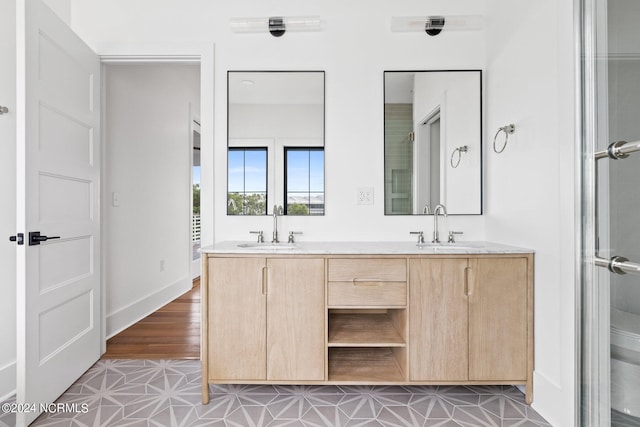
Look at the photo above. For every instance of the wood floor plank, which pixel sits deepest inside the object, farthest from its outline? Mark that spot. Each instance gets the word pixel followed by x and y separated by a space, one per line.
pixel 189 339
pixel 172 332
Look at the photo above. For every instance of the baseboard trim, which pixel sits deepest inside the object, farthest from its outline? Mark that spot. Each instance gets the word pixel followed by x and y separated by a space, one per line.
pixel 138 310
pixel 550 400
pixel 8 381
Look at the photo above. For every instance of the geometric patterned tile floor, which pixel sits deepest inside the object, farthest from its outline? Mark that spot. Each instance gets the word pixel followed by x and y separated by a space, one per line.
pixel 163 393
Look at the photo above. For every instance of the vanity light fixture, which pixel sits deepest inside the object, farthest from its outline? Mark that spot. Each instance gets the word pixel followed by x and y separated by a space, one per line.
pixel 276 25
pixel 434 24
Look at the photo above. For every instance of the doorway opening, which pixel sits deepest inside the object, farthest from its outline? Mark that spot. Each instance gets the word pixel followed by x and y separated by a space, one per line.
pixel 151 164
pixel 426 164
pixel 195 199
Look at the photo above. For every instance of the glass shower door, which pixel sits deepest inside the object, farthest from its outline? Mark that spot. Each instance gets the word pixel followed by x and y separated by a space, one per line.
pixel 610 386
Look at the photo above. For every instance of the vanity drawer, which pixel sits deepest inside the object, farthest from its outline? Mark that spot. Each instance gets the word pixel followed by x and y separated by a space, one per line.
pixel 367 294
pixel 367 269
pixel 370 282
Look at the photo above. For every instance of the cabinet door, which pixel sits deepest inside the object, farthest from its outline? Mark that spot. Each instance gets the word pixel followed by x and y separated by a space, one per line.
pixel 438 320
pixel 295 319
pixel 237 319
pixel 498 319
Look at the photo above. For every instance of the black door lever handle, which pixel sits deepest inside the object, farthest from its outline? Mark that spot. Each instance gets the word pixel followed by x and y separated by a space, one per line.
pixel 35 238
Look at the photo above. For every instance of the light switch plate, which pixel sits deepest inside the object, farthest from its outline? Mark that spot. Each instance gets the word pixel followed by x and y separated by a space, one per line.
pixel 364 196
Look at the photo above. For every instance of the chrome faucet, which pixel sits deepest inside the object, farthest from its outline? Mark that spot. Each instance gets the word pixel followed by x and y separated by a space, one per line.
pixel 277 210
pixel 440 209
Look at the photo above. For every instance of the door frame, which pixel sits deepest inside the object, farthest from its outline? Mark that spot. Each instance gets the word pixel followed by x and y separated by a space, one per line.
pixel 422 151
pixel 148 53
pixel 593 407
pixel 196 269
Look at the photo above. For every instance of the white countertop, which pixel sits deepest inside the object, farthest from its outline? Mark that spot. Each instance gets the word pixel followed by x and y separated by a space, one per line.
pixel 361 248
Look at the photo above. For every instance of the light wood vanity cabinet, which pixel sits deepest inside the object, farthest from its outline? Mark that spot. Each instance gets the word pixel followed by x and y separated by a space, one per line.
pixel 472 319
pixel 414 319
pixel 439 319
pixel 237 308
pixel 266 319
pixel 295 319
pixel 498 319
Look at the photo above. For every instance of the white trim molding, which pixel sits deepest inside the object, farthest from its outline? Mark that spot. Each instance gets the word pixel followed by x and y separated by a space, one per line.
pixel 7 381
pixel 138 310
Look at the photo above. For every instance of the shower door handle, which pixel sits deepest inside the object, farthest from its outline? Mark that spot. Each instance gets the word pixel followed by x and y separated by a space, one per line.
pixel 618 265
pixel 618 150
pixel 615 151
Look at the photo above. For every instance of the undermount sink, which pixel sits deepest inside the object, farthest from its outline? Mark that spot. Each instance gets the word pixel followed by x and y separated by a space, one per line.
pixel 445 246
pixel 267 246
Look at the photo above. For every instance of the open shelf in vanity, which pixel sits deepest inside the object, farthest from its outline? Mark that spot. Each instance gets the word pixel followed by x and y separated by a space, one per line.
pixel 350 328
pixel 367 345
pixel 366 364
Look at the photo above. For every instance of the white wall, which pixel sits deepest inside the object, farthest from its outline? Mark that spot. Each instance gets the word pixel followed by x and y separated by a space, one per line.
pixel 353 51
pixel 275 121
pixel 62 8
pixel 8 196
pixel 530 186
pixel 147 157
pixel 529 76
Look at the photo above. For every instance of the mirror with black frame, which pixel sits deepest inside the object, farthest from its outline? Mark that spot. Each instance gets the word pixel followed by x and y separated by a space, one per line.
pixel 433 141
pixel 275 142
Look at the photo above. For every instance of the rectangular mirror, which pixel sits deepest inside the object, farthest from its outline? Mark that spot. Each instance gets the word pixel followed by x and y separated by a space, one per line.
pixel 275 142
pixel 433 141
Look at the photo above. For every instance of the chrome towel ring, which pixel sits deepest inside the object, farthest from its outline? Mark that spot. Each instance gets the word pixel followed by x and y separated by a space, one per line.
pixel 508 130
pixel 458 150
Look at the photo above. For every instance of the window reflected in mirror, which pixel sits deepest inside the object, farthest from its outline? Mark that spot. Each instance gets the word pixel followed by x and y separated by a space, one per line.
pixel 305 181
pixel 275 142
pixel 247 180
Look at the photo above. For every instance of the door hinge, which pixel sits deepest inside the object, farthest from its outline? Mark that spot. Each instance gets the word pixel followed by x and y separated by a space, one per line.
pixel 18 238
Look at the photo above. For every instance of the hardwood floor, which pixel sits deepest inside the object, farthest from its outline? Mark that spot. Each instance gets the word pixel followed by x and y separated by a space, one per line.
pixel 172 332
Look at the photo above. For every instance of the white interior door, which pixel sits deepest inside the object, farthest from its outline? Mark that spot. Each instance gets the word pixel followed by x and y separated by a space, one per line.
pixel 58 195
